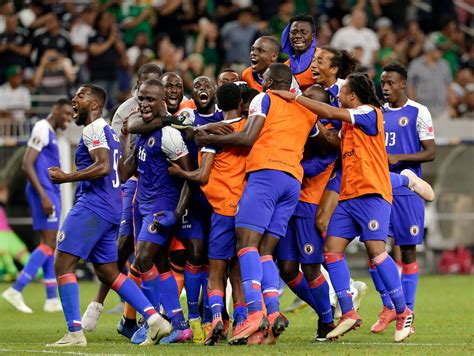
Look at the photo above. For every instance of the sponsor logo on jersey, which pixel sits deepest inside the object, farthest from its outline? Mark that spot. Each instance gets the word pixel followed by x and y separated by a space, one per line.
pixel 95 140
pixel 151 142
pixel 403 121
pixel 414 230
pixel 348 154
pixel 373 225
pixel 36 140
pixel 308 249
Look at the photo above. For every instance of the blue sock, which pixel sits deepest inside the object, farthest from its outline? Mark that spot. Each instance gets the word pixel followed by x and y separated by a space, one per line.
pixel 206 310
pixel 397 180
pixel 270 284
pixel 388 272
pixel 409 283
pixel 216 303
pixel 300 287
pixel 240 313
pixel 320 290
pixel 251 271
pixel 171 301
pixel 192 282
pixel 380 287
pixel 36 260
pixel 341 279
pixel 129 291
pixel 50 278
pixel 151 286
pixel 69 294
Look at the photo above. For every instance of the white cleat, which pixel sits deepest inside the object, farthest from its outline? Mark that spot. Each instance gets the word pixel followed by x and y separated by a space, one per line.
pixel 53 305
pixel 91 316
pixel 15 298
pixel 361 289
pixel 157 329
pixel 75 338
pixel 404 325
pixel 418 185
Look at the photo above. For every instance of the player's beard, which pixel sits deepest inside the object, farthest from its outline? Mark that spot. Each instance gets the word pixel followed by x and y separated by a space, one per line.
pixel 82 116
pixel 205 108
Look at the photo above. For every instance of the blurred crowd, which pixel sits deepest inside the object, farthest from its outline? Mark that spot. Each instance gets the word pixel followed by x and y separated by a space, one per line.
pixel 49 47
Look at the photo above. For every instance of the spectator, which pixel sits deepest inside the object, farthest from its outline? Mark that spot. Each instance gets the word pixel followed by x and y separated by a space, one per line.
pixel 106 50
pixel 81 30
pixel 278 22
pixel 469 100
pixel 358 35
pixel 6 9
pixel 414 39
pixel 137 20
pixel 324 34
pixel 15 99
pixel 54 75
pixel 207 44
pixel 462 80
pixel 51 37
pixel 238 36
pixel 169 57
pixel 429 81
pixel 14 46
pixel 140 48
pixel 192 68
pixel 449 40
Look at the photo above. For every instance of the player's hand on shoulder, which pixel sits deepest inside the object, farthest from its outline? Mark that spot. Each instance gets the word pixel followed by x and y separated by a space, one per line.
pixel 201 137
pixel 57 175
pixel 165 219
pixel 287 95
pixel 219 128
pixel 173 168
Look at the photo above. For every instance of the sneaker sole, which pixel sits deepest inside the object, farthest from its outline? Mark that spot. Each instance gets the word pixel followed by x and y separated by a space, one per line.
pixel 217 334
pixel 356 325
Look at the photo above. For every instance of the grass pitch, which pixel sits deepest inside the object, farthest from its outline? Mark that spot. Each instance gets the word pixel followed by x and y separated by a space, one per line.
pixel 444 325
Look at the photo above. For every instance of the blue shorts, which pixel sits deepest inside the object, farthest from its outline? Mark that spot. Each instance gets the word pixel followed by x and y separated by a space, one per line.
pixel 85 234
pixel 367 216
pixel 407 220
pixel 268 202
pixel 126 221
pixel 145 230
pixel 222 240
pixel 302 243
pixel 193 225
pixel 41 221
pixel 334 182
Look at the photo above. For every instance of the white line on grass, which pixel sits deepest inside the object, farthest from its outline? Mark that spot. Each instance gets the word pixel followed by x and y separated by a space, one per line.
pixel 61 352
pixel 400 344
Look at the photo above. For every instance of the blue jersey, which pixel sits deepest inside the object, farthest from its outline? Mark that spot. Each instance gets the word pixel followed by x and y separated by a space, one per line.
pixel 43 139
pixel 405 128
pixel 157 190
pixel 334 101
pixel 101 195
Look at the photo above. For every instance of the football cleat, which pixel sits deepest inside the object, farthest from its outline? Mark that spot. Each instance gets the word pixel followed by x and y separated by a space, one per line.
pixel 158 328
pixel 140 335
pixel 177 336
pixel 75 338
pixel 323 331
pixel 198 333
pixel 348 321
pixel 216 333
pixel 259 339
pixel 126 330
pixel 418 185
pixel 91 316
pixel 15 298
pixel 255 322
pixel 277 324
pixel 52 305
pixel 403 326
pixel 386 316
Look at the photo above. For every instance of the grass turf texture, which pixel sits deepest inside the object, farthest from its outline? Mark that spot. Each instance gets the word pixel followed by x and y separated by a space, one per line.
pixel 444 325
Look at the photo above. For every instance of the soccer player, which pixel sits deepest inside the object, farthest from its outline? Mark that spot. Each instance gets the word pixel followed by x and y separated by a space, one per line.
pixel 125 243
pixel 221 174
pixel 409 139
pixel 91 226
pixel 227 75
pixel 174 92
pixel 277 131
pixel 44 199
pixel 159 203
pixel 263 53
pixel 298 40
pixel 365 199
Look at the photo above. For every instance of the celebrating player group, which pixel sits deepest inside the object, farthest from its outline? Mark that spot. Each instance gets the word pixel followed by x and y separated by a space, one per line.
pixel 257 178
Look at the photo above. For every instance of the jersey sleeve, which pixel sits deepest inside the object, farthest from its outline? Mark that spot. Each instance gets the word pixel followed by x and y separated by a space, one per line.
pixel 295 88
pixel 39 136
pixel 314 131
pixel 424 124
pixel 365 117
pixel 211 149
pixel 172 144
pixel 260 105
pixel 94 137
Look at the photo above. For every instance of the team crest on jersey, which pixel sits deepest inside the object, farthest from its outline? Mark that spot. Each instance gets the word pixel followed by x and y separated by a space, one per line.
pixel 183 115
pixel 61 236
pixel 373 225
pixel 414 230
pixel 151 142
pixel 403 121
pixel 308 249
pixel 152 228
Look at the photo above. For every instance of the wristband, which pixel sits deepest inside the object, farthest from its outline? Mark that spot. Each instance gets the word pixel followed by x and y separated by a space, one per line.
pixel 297 96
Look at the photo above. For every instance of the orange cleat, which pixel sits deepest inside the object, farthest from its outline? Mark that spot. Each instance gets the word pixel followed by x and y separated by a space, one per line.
pixel 216 333
pixel 348 321
pixel 386 316
pixel 255 322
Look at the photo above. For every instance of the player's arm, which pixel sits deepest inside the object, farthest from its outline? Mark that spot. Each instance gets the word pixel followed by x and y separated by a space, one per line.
pixel 136 125
pixel 28 167
pixel 200 175
pixel 185 165
pixel 128 167
pixel 320 109
pixel 98 169
pixel 327 137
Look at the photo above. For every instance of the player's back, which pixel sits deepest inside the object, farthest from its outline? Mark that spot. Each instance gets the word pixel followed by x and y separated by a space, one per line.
pixel 227 177
pixel 101 195
pixel 312 188
pixel 43 139
pixel 303 77
pixel 156 188
pixel 404 128
pixel 280 144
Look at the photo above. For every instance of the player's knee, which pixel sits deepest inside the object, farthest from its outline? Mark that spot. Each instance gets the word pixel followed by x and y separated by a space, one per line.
pixel 408 254
pixel 143 261
pixel 311 272
pixel 288 271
